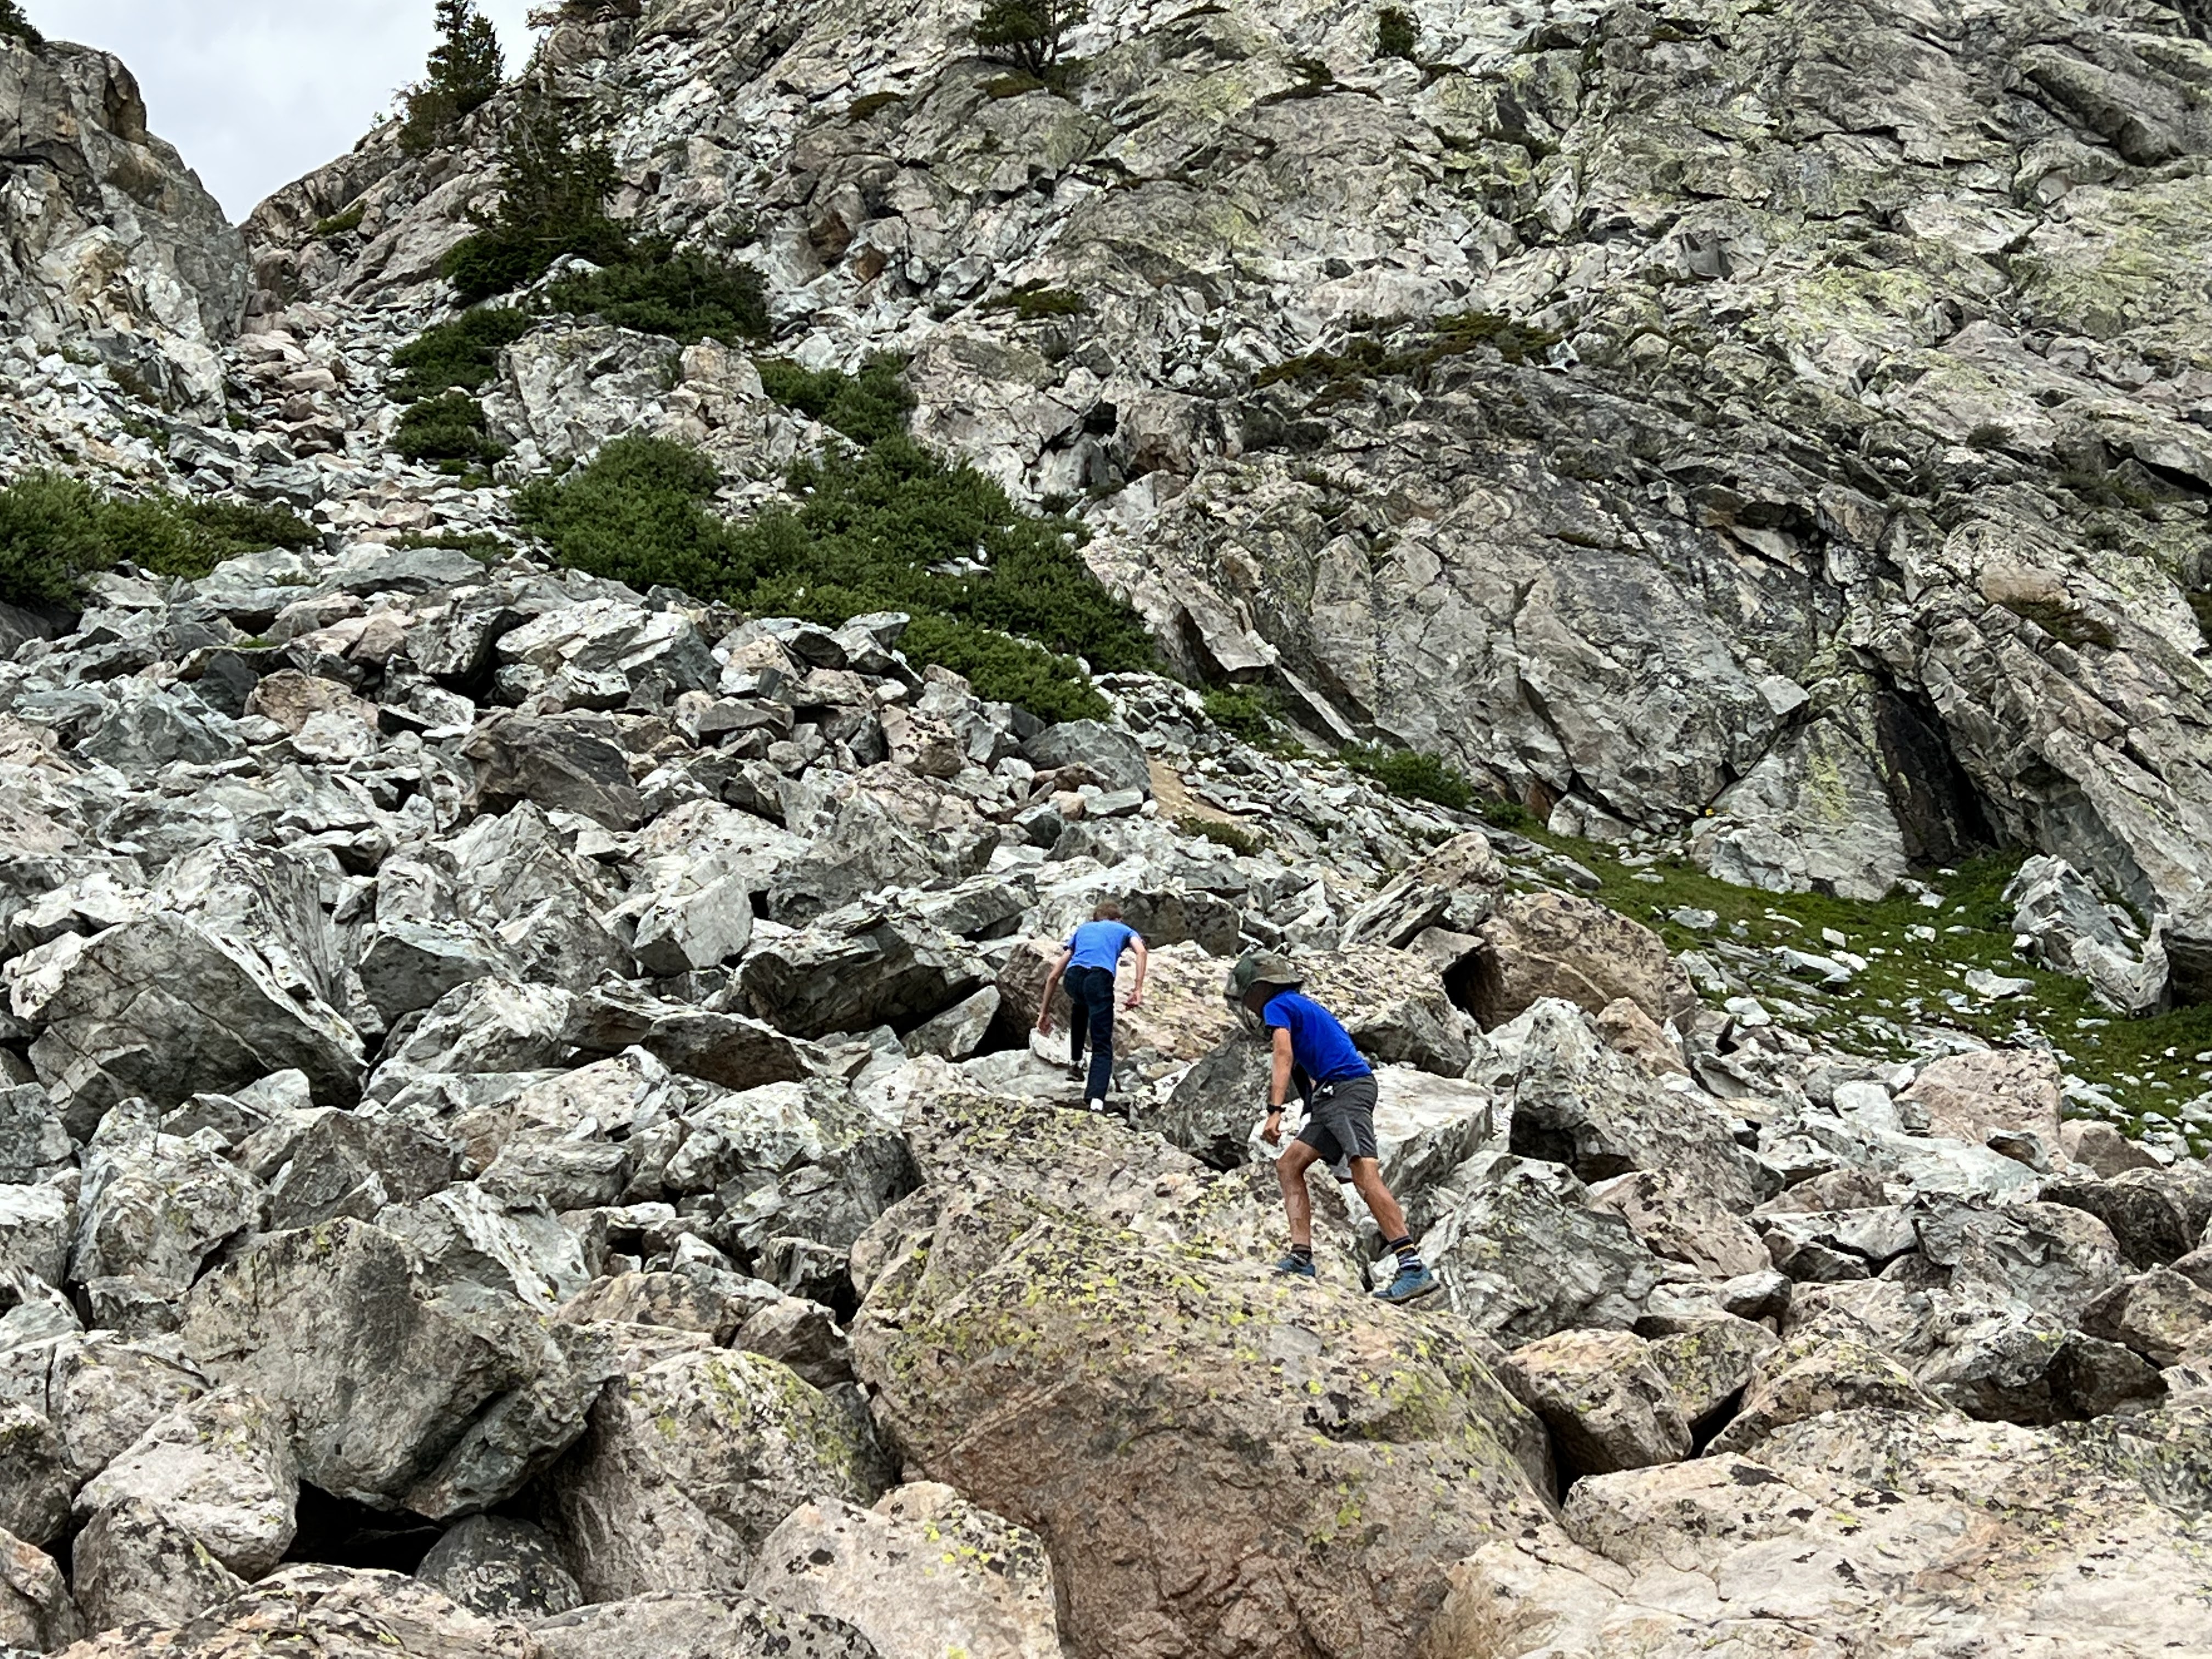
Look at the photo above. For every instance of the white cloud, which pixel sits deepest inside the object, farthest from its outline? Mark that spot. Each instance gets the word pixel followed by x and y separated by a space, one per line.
pixel 256 92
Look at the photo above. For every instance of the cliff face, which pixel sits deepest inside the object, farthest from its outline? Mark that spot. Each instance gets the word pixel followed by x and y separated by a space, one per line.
pixel 536 1083
pixel 1839 487
pixel 110 250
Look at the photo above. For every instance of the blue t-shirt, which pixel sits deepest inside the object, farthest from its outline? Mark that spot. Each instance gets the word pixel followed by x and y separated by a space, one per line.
pixel 1100 945
pixel 1318 1043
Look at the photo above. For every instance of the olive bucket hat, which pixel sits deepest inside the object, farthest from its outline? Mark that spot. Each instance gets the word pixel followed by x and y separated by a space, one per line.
pixel 1261 968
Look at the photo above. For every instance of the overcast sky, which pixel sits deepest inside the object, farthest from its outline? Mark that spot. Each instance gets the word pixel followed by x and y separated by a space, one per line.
pixel 257 92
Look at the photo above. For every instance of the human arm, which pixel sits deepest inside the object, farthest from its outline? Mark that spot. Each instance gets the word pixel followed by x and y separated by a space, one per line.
pixel 1279 1088
pixel 1143 957
pixel 1052 987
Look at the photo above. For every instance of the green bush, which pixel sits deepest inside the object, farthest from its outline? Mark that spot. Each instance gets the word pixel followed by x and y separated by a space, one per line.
pixel 554 186
pixel 889 528
pixel 1028 32
pixel 686 296
pixel 49 538
pixel 14 23
pixel 462 354
pixel 1415 777
pixel 1248 713
pixel 447 429
pixel 1030 303
pixel 867 407
pixel 1191 826
pixel 55 530
pixel 340 224
pixel 1396 33
pixel 466 69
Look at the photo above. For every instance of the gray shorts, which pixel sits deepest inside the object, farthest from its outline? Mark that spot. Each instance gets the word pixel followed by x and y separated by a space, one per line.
pixel 1341 1121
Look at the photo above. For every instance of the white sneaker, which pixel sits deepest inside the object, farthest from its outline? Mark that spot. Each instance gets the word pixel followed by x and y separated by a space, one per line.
pixel 1094 1105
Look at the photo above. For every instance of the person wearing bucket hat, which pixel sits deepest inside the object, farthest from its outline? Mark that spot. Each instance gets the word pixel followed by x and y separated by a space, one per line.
pixel 1314 1053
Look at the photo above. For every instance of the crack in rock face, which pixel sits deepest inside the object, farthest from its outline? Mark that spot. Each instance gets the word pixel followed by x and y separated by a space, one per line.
pixel 1660 562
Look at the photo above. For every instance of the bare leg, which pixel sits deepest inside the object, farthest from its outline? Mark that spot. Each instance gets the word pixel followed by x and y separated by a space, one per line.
pixel 1290 1169
pixel 1367 1177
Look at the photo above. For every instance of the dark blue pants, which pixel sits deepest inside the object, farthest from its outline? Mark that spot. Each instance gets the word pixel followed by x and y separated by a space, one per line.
pixel 1092 991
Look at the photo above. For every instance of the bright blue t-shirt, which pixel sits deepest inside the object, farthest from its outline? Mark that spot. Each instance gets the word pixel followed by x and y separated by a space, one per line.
pixel 1100 945
pixel 1318 1043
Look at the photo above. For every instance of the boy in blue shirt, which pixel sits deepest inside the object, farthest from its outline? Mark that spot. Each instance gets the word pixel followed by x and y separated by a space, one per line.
pixel 1089 963
pixel 1312 1051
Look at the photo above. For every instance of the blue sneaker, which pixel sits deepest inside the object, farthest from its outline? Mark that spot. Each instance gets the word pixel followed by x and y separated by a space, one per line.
pixel 1410 1285
pixel 1298 1267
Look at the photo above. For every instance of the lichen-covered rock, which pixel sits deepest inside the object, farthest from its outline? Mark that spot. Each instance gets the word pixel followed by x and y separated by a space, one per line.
pixel 446 1399
pixel 696 1624
pixel 133 1564
pixel 501 1569
pixel 34 1476
pixel 36 1612
pixel 1805 1377
pixel 690 1463
pixel 1522 1254
pixel 343 1612
pixel 921 1575
pixel 220 1471
pixel 1000 1297
pixel 1608 1406
pixel 1852 1527
pixel 1539 946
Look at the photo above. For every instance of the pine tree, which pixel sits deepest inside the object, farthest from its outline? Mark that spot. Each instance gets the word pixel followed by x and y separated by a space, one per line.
pixel 13 22
pixel 466 69
pixel 1029 33
pixel 554 186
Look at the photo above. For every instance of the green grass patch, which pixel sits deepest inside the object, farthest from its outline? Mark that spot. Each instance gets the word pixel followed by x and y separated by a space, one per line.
pixel 1411 774
pixel 2148 1065
pixel 447 429
pixel 56 530
pixel 996 594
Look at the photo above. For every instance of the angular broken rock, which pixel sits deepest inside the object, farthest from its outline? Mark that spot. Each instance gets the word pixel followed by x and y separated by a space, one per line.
pixel 501 1568
pixel 1965 1096
pixel 697 1624
pixel 132 1564
pixel 163 1009
pixel 333 1612
pixel 1089 1323
pixel 1522 1254
pixel 858 968
pixel 1806 1376
pixel 34 1476
pixel 1707 1361
pixel 690 1463
pixel 36 1612
pixel 155 1207
pixel 557 765
pixel 1575 1101
pixel 727 1049
pixel 921 1575
pixel 1608 1406
pixel 1546 945
pixel 2164 1315
pixel 441 1400
pixel 220 1470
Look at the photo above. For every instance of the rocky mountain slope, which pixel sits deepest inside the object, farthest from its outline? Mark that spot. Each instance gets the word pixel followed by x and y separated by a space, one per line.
pixel 519 1129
